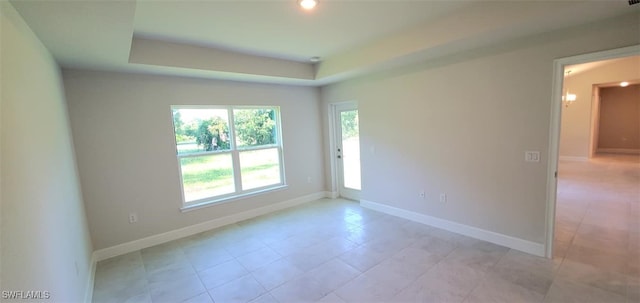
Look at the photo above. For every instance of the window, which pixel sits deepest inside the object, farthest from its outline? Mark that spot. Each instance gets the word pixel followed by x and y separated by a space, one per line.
pixel 226 152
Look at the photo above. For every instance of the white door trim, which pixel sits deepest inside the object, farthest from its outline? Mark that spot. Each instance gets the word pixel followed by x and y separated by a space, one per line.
pixel 332 149
pixel 554 129
pixel 335 172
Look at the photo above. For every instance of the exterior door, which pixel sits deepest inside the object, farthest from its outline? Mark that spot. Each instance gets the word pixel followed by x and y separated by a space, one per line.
pixel 348 150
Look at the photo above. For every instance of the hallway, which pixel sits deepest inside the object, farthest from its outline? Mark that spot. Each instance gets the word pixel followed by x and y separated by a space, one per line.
pixel 597 235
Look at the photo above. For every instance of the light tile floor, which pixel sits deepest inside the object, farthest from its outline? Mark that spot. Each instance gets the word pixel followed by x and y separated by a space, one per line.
pixel 336 251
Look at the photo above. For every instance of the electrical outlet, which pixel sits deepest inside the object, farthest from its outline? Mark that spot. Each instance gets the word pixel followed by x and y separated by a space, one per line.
pixel 443 197
pixel 308 179
pixel 133 218
pixel 422 194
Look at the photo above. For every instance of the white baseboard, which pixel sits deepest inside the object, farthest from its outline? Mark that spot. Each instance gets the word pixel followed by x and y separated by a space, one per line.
pixel 88 294
pixel 135 245
pixel 573 158
pixel 533 248
pixel 624 151
pixel 331 194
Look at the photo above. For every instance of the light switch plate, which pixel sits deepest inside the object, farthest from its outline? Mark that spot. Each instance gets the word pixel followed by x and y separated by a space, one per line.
pixel 531 156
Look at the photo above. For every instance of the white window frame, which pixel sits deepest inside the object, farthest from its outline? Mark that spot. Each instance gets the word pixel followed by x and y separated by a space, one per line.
pixel 235 152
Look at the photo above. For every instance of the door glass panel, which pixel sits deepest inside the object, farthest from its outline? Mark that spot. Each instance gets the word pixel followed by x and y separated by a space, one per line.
pixel 350 149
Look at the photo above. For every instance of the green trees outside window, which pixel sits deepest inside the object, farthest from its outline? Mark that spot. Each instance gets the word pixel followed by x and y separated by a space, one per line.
pixel 211 166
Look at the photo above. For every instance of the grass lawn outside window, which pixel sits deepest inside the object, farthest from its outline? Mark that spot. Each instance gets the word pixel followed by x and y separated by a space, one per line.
pixel 226 152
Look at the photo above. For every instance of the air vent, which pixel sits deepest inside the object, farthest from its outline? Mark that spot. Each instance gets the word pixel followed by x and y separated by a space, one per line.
pixel 632 2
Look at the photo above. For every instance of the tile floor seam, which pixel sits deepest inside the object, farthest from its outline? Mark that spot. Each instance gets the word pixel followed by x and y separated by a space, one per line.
pixel 146 275
pixel 201 282
pixel 415 280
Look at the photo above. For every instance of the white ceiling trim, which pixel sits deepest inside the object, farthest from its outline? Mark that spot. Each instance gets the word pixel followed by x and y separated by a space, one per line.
pixel 163 53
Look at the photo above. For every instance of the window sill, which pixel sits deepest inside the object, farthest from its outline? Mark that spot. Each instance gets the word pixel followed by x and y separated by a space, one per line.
pixel 199 205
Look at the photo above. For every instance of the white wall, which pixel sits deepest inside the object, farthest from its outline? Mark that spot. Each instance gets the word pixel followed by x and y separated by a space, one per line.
pixel 576 119
pixel 45 240
pixel 123 133
pixel 461 124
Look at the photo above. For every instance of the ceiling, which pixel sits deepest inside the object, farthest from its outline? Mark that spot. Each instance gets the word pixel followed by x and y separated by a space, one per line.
pixel 630 62
pixel 577 69
pixel 272 40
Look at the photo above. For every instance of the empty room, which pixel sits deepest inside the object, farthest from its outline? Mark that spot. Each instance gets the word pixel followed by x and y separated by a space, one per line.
pixel 319 151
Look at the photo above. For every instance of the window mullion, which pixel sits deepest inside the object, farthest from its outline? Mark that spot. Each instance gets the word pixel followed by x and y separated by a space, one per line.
pixel 281 159
pixel 235 155
pixel 236 170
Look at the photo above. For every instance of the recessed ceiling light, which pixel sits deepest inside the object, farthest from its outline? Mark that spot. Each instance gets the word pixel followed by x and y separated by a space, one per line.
pixel 624 84
pixel 308 4
pixel 315 59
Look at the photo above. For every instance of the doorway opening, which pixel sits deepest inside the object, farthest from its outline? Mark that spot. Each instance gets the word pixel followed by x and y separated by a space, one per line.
pixel 559 105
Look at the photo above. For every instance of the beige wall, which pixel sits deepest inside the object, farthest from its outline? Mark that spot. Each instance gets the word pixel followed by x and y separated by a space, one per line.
pixel 123 131
pixel 461 124
pixel 619 126
pixel 575 132
pixel 45 243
